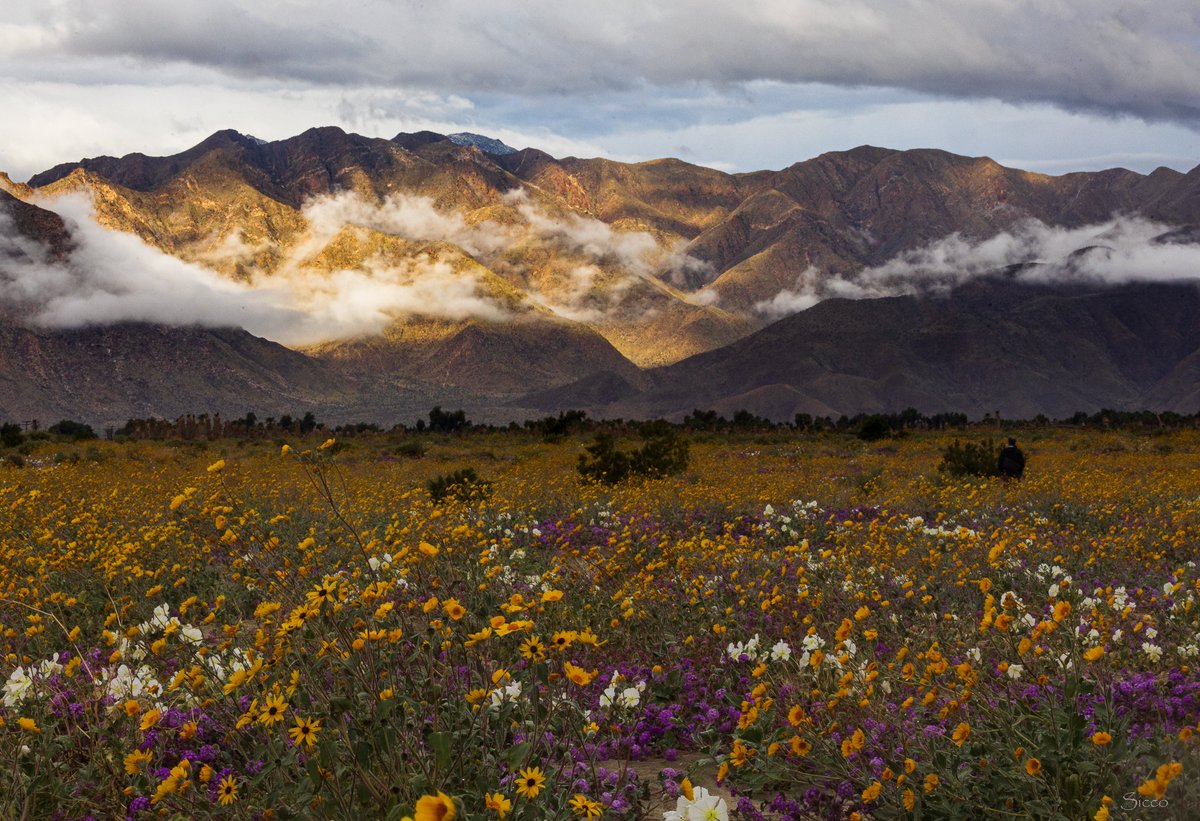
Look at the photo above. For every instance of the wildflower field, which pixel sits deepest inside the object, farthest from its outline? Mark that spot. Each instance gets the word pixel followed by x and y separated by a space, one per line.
pixel 796 627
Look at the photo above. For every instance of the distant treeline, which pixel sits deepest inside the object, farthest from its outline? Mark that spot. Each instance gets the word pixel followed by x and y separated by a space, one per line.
pixel 204 426
pixel 438 420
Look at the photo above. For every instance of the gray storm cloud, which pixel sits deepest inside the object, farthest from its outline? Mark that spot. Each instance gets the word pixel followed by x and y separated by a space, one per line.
pixel 1124 249
pixel 1097 55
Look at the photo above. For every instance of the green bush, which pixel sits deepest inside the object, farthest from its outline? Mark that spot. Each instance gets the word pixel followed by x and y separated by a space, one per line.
pixel 441 421
pixel 462 485
pixel 874 429
pixel 74 431
pixel 603 462
pixel 411 448
pixel 10 435
pixel 970 459
pixel 663 453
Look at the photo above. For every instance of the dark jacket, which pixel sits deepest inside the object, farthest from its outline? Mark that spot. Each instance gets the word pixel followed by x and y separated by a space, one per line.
pixel 1011 462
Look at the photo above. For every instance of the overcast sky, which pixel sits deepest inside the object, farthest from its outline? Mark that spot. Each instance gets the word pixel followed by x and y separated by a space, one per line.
pixel 1048 85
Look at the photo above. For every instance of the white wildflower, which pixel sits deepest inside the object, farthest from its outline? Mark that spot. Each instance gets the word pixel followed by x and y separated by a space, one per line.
pixel 703 806
pixel 17 687
pixel 812 642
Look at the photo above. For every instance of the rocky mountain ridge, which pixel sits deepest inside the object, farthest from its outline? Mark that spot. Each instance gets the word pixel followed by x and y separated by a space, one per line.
pixel 629 289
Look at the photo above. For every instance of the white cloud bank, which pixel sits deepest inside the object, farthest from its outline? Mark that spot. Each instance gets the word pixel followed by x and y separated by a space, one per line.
pixel 112 277
pixel 1123 249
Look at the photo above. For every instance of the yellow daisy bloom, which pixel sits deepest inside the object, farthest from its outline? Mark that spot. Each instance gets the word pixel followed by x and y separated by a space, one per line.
pixel 533 649
pixel 530 782
pixel 305 732
pixel 438 807
pixel 498 802
pixel 227 790
pixel 272 710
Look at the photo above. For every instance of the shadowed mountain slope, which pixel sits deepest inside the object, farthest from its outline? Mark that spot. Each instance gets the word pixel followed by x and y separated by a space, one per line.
pixel 987 346
pixel 109 374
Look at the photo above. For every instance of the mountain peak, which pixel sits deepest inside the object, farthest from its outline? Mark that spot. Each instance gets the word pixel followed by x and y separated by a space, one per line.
pixel 411 142
pixel 488 145
pixel 18 189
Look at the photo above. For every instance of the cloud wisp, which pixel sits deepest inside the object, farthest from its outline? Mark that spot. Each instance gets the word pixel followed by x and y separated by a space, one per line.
pixel 112 277
pixel 1121 250
pixel 601 264
pixel 586 270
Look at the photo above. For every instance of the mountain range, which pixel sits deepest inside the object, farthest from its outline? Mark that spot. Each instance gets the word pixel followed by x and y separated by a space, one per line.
pixel 367 279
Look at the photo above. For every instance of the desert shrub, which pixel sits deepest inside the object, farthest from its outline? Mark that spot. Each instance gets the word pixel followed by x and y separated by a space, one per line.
pixel 441 421
pixel 869 481
pixel 603 463
pixel 463 485
pixel 874 429
pixel 663 453
pixel 10 434
pixel 970 459
pixel 15 459
pixel 555 428
pixel 75 431
pixel 411 448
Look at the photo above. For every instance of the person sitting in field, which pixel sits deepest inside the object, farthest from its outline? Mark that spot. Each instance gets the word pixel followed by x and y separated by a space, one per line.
pixel 1012 462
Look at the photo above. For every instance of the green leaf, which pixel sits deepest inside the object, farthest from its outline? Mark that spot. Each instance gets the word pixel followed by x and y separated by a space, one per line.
pixel 440 744
pixel 362 753
pixel 326 747
pixel 516 755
